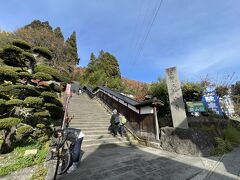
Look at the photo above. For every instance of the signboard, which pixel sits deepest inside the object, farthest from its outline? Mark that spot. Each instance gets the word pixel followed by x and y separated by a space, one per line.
pixel 175 98
pixel 195 106
pixel 210 100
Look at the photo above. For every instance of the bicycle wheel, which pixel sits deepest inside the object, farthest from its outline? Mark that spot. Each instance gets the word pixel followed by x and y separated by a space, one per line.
pixel 64 161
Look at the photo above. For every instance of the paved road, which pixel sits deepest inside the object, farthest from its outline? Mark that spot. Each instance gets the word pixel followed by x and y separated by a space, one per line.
pixel 145 163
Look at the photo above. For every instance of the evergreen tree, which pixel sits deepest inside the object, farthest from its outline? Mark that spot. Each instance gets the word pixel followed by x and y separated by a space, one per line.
pixel 71 45
pixel 36 24
pixel 103 71
pixel 58 33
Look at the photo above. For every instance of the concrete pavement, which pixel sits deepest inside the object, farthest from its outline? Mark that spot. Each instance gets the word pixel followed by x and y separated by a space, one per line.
pixel 108 158
pixel 145 163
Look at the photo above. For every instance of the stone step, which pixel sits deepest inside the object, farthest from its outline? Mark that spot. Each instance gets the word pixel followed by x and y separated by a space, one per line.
pixel 101 142
pixel 96 132
pixel 94 147
pixel 89 128
pixel 90 124
pixel 90 115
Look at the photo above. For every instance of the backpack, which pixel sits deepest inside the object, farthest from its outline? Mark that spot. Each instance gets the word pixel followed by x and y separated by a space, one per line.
pixel 116 119
pixel 123 120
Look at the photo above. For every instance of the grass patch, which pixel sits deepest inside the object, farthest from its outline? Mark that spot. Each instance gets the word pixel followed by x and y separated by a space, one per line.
pixel 230 139
pixel 16 159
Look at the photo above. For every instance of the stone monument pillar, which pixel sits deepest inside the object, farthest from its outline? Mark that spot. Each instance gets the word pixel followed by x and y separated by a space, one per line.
pixel 175 99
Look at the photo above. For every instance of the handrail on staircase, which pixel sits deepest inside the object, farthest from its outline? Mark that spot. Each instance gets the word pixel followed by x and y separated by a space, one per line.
pixel 141 115
pixel 65 106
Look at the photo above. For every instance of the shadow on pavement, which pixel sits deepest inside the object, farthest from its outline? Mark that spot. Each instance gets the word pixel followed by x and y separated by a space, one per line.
pixel 112 162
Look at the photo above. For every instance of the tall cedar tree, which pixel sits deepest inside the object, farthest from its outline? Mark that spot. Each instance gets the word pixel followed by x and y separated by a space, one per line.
pixel 71 45
pixel 103 71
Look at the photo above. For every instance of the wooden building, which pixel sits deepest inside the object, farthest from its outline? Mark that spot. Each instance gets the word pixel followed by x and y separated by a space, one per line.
pixel 141 116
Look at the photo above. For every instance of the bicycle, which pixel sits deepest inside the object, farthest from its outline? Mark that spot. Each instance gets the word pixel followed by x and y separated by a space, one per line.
pixel 63 155
pixel 68 120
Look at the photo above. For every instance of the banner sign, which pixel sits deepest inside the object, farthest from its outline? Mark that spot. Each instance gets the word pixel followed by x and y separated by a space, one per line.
pixel 68 89
pixel 195 106
pixel 210 100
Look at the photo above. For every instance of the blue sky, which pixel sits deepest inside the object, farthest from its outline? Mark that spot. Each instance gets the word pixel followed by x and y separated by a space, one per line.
pixel 201 38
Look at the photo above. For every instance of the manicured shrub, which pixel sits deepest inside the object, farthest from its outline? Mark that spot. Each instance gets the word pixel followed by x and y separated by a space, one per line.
pixel 55 87
pixel 40 126
pixel 22 44
pixel 3 96
pixel 42 76
pixel 57 102
pixel 43 52
pixel 42 114
pixel 14 102
pixel 52 71
pixel 26 75
pixel 2 106
pixel 12 49
pixel 49 94
pixel 33 101
pixel 56 112
pixel 25 129
pixel 12 56
pixel 28 56
pixel 27 90
pixel 2 102
pixel 9 122
pixel 8 74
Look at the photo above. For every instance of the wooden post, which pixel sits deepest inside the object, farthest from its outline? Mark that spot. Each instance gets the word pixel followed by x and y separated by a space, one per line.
pixel 156 123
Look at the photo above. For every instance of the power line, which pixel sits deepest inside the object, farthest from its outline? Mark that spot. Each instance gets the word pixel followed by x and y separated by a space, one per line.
pixel 148 30
pixel 136 33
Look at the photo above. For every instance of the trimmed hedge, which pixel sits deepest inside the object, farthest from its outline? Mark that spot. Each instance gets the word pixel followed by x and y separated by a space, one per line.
pixel 42 114
pixel 43 52
pixel 25 129
pixel 56 112
pixel 6 89
pixel 36 101
pixel 2 102
pixel 42 76
pixel 57 102
pixel 49 94
pixel 15 69
pixel 26 75
pixel 55 87
pixel 2 96
pixel 14 102
pixel 29 56
pixel 27 89
pixel 40 126
pixel 7 74
pixel 52 71
pixel 22 44
pixel 12 49
pixel 12 56
pixel 9 122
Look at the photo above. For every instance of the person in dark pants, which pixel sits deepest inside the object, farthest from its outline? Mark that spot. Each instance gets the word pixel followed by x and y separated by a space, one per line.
pixel 75 136
pixel 114 122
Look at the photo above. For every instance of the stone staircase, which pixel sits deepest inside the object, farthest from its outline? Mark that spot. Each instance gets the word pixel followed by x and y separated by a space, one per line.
pixel 93 120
